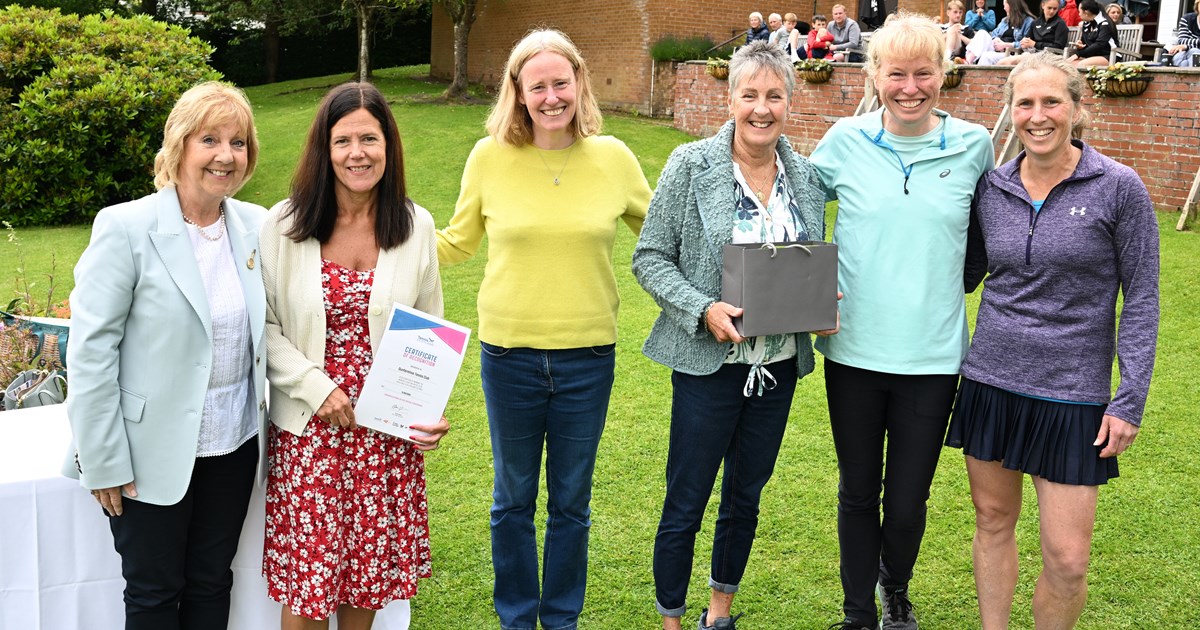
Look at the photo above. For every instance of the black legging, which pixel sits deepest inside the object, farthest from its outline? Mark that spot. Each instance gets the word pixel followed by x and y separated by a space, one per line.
pixel 912 412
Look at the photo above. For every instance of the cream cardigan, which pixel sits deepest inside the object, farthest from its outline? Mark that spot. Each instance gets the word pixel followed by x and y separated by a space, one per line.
pixel 296 324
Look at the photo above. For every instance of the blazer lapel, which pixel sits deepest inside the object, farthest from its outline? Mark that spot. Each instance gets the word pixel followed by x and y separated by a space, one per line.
pixel 175 249
pixel 249 266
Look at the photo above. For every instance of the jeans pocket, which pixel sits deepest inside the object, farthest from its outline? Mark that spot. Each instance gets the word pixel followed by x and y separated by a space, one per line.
pixel 494 351
pixel 605 350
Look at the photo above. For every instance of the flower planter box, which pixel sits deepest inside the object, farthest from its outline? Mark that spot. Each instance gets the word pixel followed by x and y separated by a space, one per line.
pixel 815 76
pixel 1132 86
pixel 718 72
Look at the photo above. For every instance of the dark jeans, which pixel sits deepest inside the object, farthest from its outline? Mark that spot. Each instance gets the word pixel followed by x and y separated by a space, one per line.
pixel 713 423
pixel 556 400
pixel 912 412
pixel 175 558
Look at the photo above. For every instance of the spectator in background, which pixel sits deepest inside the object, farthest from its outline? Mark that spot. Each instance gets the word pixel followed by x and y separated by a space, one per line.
pixel 1097 36
pixel 778 33
pixel 1068 10
pixel 757 30
pixel 1049 31
pixel 981 18
pixel 819 38
pixel 846 36
pixel 1116 14
pixel 1016 24
pixel 795 41
pixel 1187 39
pixel 958 34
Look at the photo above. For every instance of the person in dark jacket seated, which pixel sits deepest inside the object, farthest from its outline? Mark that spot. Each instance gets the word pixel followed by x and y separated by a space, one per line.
pixel 757 29
pixel 1097 36
pixel 1049 31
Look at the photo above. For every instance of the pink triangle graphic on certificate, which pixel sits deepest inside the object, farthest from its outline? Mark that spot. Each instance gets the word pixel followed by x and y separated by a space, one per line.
pixel 456 339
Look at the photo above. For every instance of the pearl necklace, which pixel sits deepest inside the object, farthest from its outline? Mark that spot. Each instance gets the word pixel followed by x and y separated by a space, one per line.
pixel 201 230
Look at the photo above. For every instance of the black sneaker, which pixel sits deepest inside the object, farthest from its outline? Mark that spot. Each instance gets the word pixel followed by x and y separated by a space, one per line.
pixel 849 625
pixel 720 623
pixel 897 610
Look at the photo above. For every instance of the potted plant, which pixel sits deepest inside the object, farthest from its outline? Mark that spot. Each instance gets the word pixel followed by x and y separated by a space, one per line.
pixel 1119 79
pixel 717 68
pixel 953 77
pixel 814 70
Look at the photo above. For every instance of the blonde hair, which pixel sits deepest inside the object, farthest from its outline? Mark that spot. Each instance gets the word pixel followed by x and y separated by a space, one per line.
pixel 208 104
pixel 790 17
pixel 956 3
pixel 906 35
pixel 509 121
pixel 1071 76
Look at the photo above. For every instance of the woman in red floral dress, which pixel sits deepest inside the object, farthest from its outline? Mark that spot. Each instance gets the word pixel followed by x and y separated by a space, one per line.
pixel 347 522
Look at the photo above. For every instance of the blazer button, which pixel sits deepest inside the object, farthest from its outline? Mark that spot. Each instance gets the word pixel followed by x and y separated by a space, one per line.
pixel 257 360
pixel 262 406
pixel 375 310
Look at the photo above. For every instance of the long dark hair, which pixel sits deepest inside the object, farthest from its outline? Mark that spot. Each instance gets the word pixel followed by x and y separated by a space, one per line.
pixel 313 207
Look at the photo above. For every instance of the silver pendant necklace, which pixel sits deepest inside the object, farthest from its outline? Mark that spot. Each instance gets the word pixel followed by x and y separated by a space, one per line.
pixel 564 164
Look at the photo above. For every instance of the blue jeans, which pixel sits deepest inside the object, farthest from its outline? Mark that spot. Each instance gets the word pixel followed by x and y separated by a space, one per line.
pixel 712 422
pixel 559 399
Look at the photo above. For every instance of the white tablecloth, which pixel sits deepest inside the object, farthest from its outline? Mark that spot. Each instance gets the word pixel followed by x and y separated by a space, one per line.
pixel 58 569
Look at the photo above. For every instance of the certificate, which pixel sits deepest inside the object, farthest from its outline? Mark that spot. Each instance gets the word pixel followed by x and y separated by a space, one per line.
pixel 413 373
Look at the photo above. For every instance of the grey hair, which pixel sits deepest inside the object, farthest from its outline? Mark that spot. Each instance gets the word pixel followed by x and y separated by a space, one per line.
pixel 756 56
pixel 1071 75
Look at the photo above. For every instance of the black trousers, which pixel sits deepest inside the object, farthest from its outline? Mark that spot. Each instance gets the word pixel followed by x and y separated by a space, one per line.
pixel 911 412
pixel 175 558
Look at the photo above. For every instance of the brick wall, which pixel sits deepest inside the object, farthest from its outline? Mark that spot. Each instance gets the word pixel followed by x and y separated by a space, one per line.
pixel 1157 134
pixel 614 36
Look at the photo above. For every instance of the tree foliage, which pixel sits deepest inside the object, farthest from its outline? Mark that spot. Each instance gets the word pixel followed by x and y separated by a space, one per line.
pixel 83 101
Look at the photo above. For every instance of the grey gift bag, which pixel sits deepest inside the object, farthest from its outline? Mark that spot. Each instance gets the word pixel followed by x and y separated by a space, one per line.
pixel 783 287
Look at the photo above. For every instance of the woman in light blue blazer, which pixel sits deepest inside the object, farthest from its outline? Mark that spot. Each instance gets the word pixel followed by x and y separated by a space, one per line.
pixel 166 398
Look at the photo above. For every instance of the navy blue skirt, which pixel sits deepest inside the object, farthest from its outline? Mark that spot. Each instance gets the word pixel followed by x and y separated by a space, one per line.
pixel 1052 440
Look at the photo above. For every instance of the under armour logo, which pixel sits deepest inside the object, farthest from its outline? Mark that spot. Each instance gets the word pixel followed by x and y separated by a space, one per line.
pixel 1078 212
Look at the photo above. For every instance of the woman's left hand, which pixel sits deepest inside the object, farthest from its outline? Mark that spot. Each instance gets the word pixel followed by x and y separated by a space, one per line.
pixel 435 433
pixel 1119 434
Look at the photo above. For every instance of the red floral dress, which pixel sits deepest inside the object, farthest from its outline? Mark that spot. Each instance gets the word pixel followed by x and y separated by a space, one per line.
pixel 347 521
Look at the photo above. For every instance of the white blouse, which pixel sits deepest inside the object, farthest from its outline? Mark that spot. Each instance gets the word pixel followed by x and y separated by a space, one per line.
pixel 228 419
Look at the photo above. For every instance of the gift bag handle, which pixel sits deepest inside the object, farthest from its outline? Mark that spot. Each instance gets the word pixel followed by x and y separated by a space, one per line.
pixel 775 248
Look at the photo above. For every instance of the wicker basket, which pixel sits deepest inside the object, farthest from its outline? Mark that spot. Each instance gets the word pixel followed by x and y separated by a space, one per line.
pixel 1133 86
pixel 815 76
pixel 952 80
pixel 718 72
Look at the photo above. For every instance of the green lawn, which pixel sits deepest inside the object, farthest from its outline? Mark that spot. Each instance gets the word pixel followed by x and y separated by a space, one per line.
pixel 1146 561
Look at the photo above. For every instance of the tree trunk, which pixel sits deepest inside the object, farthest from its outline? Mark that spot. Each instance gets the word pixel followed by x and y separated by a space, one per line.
pixel 364 40
pixel 462 29
pixel 149 7
pixel 271 49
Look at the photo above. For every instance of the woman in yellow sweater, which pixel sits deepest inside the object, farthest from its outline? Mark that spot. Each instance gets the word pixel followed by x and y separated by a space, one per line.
pixel 547 191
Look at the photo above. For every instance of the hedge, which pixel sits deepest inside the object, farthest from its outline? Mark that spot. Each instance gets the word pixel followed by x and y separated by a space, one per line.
pixel 82 106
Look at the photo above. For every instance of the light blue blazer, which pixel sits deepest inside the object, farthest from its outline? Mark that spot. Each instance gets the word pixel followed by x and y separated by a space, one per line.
pixel 140 349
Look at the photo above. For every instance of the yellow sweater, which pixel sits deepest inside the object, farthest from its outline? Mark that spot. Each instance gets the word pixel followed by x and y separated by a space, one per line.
pixel 549 281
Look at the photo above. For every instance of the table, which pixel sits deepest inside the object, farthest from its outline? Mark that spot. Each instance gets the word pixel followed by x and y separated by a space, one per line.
pixel 58 569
